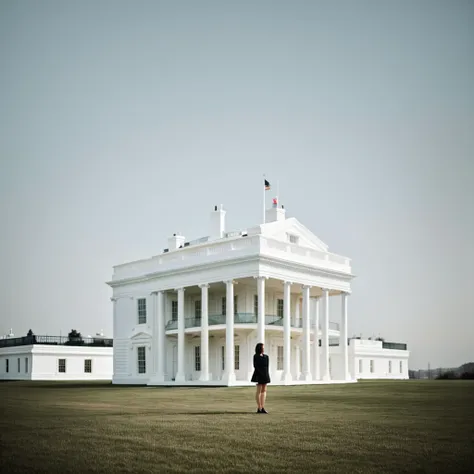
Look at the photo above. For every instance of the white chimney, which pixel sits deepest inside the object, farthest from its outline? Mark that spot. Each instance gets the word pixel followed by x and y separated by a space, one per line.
pixel 217 230
pixel 275 214
pixel 175 242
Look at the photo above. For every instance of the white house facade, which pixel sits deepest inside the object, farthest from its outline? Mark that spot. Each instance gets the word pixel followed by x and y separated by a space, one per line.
pixel 193 314
pixel 55 358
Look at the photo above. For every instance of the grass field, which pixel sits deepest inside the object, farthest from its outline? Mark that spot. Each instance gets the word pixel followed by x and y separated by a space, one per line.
pixel 409 426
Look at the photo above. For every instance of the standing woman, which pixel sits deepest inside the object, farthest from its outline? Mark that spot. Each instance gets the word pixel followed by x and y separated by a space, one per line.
pixel 261 376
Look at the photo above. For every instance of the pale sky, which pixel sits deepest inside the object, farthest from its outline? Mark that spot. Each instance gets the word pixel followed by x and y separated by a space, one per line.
pixel 123 122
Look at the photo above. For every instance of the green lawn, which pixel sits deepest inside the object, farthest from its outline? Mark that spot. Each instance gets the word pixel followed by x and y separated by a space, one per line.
pixel 409 426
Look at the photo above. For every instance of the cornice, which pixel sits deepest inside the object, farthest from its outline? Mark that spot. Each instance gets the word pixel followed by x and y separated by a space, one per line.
pixel 282 263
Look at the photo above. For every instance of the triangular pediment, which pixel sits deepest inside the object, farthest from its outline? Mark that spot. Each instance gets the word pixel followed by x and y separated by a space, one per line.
pixel 141 335
pixel 281 230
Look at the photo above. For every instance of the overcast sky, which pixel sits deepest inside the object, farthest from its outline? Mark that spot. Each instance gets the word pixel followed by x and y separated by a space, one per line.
pixel 123 122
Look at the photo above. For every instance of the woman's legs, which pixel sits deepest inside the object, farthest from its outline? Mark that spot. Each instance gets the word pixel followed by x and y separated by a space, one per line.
pixel 263 394
pixel 257 397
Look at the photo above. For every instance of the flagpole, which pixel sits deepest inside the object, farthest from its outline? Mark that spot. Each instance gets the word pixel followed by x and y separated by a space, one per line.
pixel 263 202
pixel 278 193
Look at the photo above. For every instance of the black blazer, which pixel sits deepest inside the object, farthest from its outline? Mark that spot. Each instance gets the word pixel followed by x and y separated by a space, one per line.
pixel 261 364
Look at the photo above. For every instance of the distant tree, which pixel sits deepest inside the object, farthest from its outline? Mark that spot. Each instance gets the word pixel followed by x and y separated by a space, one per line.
pixel 30 333
pixel 74 337
pixel 448 375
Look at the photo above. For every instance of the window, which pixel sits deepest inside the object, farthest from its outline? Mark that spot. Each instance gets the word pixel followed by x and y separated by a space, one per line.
pixel 293 239
pixel 223 357
pixel 280 308
pixel 360 366
pixel 174 310
pixel 236 357
pixel 401 366
pixel 141 360
pixel 7 365
pixel 88 366
pixel 389 366
pixel 141 311
pixel 224 305
pixel 62 366
pixel 19 369
pixel 255 305
pixel 280 358
pixel 371 366
pixel 26 365
pixel 197 309
pixel 197 358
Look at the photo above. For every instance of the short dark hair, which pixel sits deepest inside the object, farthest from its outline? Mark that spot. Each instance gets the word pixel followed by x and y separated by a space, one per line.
pixel 259 348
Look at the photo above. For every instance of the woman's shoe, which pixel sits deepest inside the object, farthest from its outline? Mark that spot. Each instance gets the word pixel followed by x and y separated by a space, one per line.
pixel 263 411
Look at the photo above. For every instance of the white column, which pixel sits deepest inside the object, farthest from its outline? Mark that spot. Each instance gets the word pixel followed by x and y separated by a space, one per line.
pixel 229 373
pixel 343 338
pixel 180 375
pixel 297 359
pixel 306 374
pixel 325 337
pixel 160 310
pixel 261 309
pixel 154 332
pixel 286 377
pixel 297 311
pixel 316 358
pixel 204 377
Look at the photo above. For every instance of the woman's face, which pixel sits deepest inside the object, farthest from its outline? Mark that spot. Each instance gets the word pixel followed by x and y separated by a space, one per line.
pixel 263 348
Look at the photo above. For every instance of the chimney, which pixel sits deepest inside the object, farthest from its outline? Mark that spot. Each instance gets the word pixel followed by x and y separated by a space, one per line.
pixel 175 242
pixel 274 214
pixel 217 229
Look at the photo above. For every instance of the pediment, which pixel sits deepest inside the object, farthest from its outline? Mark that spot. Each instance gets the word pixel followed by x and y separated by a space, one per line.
pixel 281 229
pixel 141 335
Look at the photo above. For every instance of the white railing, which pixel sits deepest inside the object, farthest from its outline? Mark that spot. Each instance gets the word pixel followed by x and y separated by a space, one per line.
pixel 304 255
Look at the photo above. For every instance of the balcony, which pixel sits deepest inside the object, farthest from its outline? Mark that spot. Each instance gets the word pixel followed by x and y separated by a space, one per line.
pixel 56 341
pixel 242 318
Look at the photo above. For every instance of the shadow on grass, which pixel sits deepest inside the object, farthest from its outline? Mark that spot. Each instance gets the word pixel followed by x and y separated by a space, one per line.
pixel 75 385
pixel 221 412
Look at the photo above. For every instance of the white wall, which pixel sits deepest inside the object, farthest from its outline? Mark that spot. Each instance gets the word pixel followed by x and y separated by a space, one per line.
pixel 43 362
pixel 12 354
pixel 368 360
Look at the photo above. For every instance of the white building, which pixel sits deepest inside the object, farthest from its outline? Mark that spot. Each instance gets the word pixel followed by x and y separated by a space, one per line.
pixel 171 323
pixel 55 358
pixel 376 359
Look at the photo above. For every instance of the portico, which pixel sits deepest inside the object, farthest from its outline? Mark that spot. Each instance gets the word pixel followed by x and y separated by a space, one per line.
pixel 263 308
